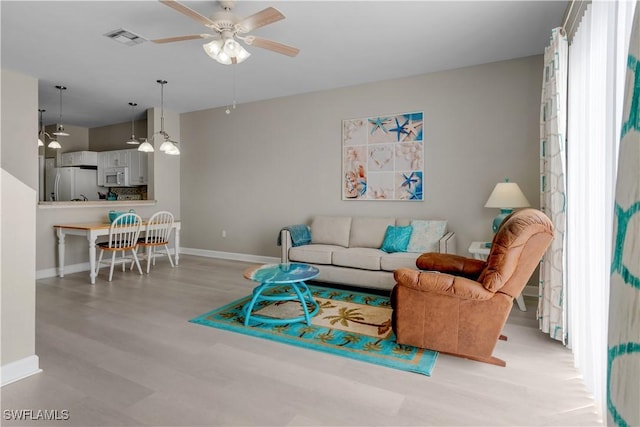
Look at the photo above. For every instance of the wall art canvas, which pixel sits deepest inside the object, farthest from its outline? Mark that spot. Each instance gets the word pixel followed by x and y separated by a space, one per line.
pixel 383 157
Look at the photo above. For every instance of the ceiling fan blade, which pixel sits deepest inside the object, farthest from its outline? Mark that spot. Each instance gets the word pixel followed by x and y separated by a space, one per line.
pixel 274 46
pixel 181 38
pixel 188 12
pixel 260 19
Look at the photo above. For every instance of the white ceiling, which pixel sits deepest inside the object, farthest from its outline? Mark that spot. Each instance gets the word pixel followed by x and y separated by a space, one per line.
pixel 342 43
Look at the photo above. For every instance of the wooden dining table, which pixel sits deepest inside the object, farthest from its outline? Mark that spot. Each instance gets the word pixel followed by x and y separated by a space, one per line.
pixel 91 231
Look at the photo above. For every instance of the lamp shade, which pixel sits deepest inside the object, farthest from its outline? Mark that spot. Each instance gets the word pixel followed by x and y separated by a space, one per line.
pixel 507 195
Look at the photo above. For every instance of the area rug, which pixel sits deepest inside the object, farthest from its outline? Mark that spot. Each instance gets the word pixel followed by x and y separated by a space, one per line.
pixel 350 324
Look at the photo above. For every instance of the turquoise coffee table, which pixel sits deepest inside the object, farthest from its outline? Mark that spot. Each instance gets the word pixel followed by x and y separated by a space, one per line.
pixel 272 276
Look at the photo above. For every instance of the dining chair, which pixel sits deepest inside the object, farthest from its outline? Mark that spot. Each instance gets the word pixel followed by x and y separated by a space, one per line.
pixel 123 236
pixel 156 237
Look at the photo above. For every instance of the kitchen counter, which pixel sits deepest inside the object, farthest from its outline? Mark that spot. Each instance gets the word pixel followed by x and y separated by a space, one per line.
pixel 96 204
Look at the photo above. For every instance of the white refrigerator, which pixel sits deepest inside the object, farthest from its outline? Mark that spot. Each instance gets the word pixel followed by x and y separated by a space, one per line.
pixel 71 183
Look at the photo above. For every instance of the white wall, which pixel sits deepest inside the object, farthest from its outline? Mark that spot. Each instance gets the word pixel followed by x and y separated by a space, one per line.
pixel 18 200
pixel 278 162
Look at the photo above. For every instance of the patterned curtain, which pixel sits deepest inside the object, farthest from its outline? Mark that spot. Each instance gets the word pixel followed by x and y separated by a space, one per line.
pixel 553 124
pixel 623 356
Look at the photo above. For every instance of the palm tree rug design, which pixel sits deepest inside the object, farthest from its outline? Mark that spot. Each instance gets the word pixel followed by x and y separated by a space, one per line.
pixel 349 324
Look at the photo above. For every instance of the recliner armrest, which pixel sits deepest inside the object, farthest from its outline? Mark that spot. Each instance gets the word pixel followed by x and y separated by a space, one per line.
pixel 442 284
pixel 451 264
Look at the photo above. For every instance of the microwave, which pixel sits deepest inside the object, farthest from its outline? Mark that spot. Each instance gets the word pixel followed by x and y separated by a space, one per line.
pixel 116 177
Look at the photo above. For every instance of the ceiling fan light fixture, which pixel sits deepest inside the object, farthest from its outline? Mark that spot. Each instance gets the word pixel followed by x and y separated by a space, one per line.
pixel 146 146
pixel 225 51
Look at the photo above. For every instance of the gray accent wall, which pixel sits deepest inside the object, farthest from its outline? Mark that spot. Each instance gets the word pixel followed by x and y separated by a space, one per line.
pixel 278 162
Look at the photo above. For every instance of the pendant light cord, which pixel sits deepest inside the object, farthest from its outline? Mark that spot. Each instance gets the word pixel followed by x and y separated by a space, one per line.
pixel 162 83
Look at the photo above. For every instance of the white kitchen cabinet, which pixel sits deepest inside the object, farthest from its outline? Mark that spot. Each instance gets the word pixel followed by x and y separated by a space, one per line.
pixel 79 158
pixel 138 167
pixel 135 160
pixel 117 158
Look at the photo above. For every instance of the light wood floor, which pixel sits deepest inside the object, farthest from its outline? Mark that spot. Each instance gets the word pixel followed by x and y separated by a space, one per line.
pixel 124 354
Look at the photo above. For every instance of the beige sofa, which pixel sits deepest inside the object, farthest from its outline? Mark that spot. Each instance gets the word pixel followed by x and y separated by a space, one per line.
pixel 347 251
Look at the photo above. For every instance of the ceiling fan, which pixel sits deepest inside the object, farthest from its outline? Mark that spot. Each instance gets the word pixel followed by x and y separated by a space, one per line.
pixel 229 27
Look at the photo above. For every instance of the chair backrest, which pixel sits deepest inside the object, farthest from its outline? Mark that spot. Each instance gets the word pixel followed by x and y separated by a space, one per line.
pixel 124 231
pixel 516 250
pixel 159 227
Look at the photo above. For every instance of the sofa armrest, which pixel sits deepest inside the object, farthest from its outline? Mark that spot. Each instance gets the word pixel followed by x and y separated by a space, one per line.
pixel 447 243
pixel 451 264
pixel 441 284
pixel 285 240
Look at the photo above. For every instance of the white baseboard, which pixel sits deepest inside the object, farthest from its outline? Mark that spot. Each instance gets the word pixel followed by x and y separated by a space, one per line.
pixel 23 368
pixel 230 255
pixel 68 269
pixel 77 268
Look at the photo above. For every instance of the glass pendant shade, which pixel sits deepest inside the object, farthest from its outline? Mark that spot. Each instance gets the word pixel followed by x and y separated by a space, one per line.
pixel 166 145
pixel 173 150
pixel 60 131
pixel 54 144
pixel 40 143
pixel 146 146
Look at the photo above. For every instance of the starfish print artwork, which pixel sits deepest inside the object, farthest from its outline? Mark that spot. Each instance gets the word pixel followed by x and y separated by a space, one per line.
pixel 378 123
pixel 412 128
pixel 400 129
pixel 409 180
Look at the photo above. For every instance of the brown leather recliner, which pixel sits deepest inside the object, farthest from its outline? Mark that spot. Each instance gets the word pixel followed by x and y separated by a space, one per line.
pixel 460 305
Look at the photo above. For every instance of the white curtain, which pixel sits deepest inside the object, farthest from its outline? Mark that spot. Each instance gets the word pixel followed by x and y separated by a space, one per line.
pixel 553 122
pixel 596 79
pixel 623 363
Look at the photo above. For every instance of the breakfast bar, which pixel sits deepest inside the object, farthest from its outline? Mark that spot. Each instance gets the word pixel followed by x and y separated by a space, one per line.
pixel 91 231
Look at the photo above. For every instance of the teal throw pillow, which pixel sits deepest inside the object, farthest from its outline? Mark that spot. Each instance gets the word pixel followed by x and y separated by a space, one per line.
pixel 396 239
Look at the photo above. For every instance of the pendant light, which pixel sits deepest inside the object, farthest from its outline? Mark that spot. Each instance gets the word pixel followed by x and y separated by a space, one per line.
pixel 60 130
pixel 168 146
pixel 41 133
pixel 133 140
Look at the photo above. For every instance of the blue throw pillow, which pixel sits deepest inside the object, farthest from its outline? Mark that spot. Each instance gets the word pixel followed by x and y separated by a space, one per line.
pixel 396 239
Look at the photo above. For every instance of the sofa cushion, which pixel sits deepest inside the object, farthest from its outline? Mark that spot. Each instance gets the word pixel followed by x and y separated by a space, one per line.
pixel 368 232
pixel 426 235
pixel 394 261
pixel 396 239
pixel 331 230
pixel 314 254
pixel 364 258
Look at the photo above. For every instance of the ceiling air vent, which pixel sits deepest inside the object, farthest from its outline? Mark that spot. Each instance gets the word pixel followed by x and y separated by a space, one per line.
pixel 125 37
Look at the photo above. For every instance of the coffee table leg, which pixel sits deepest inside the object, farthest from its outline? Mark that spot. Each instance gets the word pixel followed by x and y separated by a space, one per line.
pixel 303 302
pixel 249 307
